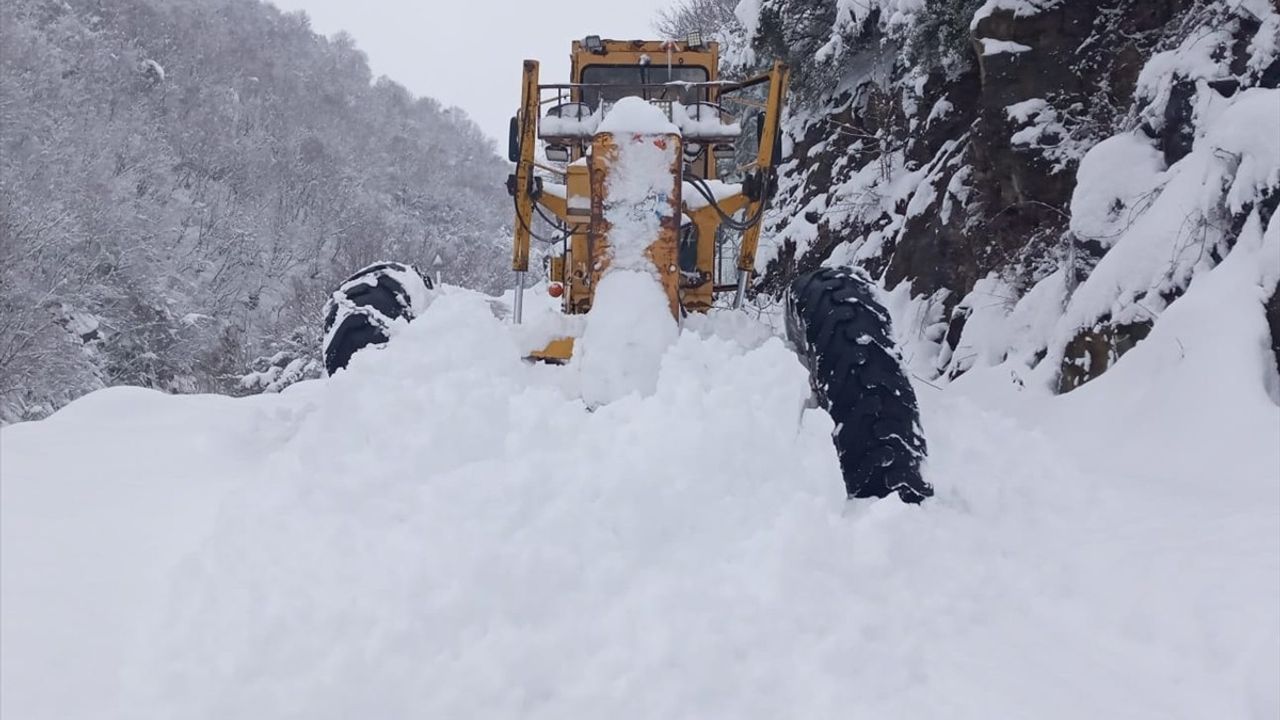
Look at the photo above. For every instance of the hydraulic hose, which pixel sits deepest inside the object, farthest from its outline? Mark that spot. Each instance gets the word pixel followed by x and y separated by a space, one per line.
pixel 705 191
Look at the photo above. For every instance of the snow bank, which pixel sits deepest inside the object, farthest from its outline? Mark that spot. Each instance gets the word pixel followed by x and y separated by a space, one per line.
pixel 985 340
pixel 1160 249
pixel 1160 227
pixel 627 332
pixel 1241 132
pixel 1113 182
pixel 98 505
pixel 446 531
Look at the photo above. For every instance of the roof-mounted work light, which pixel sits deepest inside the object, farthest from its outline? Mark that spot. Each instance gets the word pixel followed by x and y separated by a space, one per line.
pixel 693 39
pixel 594 44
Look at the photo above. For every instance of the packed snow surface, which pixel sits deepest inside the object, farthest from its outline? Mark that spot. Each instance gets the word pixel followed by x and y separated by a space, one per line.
pixel 444 530
pixel 627 332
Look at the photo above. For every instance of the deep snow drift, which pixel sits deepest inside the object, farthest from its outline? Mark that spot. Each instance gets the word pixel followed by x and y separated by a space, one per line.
pixel 445 531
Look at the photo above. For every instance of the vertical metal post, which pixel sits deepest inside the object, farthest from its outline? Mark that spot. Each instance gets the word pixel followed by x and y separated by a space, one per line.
pixel 528 123
pixel 765 162
pixel 743 277
pixel 517 307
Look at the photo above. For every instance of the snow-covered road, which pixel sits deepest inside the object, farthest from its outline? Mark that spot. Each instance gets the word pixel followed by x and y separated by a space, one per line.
pixel 444 531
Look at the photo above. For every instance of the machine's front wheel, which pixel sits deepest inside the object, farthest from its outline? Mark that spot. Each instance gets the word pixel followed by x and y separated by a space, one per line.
pixel 844 336
pixel 361 311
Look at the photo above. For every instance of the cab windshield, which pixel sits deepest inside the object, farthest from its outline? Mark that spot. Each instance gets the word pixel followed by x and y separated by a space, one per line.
pixel 627 79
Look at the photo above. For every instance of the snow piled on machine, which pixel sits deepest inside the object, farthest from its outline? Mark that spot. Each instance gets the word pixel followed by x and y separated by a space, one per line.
pixel 630 326
pixel 627 333
pixel 636 115
pixel 640 180
pixel 444 530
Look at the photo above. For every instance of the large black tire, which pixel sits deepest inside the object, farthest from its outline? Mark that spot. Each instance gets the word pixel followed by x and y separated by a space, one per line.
pixel 361 311
pixel 845 338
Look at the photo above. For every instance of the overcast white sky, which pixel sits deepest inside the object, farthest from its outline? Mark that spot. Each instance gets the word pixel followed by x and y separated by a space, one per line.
pixel 468 52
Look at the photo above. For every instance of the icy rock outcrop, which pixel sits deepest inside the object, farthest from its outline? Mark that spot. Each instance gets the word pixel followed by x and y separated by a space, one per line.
pixel 1061 173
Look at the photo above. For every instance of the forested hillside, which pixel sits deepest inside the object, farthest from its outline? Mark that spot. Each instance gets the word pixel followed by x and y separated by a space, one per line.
pixel 1034 181
pixel 183 181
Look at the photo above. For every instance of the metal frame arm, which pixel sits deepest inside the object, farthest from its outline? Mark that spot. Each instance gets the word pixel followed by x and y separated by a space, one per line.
pixel 765 167
pixel 528 123
pixel 765 161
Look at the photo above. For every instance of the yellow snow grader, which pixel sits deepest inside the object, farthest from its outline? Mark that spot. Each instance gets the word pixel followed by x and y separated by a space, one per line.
pixel 690 254
pixel 647 158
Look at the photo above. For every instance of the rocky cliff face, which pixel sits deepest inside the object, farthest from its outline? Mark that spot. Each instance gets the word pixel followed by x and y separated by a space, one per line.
pixel 1033 181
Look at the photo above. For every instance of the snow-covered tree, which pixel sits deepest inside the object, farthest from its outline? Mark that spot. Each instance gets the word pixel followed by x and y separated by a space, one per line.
pixel 183 181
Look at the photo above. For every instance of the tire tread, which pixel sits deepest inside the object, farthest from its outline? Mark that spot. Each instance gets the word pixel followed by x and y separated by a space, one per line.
pixel 844 337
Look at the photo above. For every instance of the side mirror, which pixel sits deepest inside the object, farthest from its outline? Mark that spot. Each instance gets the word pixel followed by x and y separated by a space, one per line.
pixel 513 140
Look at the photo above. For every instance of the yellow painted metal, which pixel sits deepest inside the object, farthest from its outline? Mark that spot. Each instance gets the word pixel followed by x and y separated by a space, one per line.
pixel 655 52
pixel 765 160
pixel 578 190
pixel 557 351
pixel 698 298
pixel 581 206
pixel 528 124
pixel 662 252
pixel 555 204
